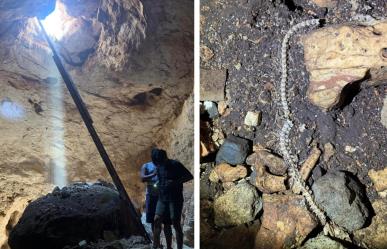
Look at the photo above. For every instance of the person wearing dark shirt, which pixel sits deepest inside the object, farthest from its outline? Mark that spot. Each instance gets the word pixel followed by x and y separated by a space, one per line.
pixel 149 175
pixel 171 177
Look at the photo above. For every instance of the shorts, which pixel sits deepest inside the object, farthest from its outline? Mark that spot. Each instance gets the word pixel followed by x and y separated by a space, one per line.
pixel 170 210
pixel 150 209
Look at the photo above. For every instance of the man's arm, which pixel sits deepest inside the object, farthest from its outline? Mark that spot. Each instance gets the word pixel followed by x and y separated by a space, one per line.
pixel 185 175
pixel 145 175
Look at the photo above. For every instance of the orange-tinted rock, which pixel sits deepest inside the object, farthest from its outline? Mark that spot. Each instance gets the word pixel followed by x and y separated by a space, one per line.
pixel 227 173
pixel 340 55
pixel 375 235
pixel 275 164
pixel 286 222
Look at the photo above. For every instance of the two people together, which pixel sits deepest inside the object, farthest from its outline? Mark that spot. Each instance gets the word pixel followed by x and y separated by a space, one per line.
pixel 164 196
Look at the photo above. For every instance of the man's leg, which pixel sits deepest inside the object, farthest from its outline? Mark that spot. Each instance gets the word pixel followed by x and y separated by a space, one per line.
pixel 160 210
pixel 176 209
pixel 150 207
pixel 157 231
pixel 168 234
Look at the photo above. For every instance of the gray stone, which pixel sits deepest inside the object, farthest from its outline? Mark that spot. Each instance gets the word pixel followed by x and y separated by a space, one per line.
pixel 322 242
pixel 383 117
pixel 340 196
pixel 237 206
pixel 233 151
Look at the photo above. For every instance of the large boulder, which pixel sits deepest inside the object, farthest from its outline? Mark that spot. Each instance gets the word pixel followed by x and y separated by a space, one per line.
pixel 70 215
pixel 338 56
pixel 340 196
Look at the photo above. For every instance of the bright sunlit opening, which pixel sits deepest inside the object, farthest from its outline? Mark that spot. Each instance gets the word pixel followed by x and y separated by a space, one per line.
pixel 55 23
pixel 10 110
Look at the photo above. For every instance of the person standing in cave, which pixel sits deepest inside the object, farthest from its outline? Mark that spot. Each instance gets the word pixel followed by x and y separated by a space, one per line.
pixel 149 175
pixel 171 177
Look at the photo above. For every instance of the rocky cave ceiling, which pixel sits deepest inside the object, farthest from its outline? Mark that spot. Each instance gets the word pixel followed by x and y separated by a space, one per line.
pixel 133 64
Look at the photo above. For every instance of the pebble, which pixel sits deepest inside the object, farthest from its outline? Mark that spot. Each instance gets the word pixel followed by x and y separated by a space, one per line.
pixel 253 118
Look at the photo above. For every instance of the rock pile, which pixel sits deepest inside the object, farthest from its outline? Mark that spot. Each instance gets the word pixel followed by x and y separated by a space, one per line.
pixel 67 216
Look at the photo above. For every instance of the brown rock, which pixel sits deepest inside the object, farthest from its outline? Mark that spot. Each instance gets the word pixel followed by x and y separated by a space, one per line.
pixel 207 145
pixel 268 183
pixel 379 179
pixel 275 164
pixel 374 236
pixel 325 3
pixel 226 173
pixel 123 29
pixel 329 151
pixel 206 53
pixel 310 162
pixel 212 84
pixel 286 222
pixel 340 55
pixel 222 107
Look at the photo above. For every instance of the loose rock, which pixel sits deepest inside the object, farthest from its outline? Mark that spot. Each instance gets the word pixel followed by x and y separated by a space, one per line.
pixel 286 222
pixel 233 151
pixel 226 173
pixel 338 56
pixel 329 151
pixel 275 164
pixel 374 236
pixel 206 53
pixel 212 84
pixel 383 117
pixel 253 118
pixel 266 182
pixel 239 205
pixel 322 242
pixel 379 179
pixel 310 162
pixel 340 196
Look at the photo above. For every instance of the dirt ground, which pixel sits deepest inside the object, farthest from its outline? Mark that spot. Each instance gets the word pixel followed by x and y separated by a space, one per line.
pixel 245 37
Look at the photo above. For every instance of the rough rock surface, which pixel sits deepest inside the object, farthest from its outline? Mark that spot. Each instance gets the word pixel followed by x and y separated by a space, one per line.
pixel 41 129
pixel 226 173
pixel 379 179
pixel 92 210
pixel 239 205
pixel 123 29
pixel 374 236
pixel 233 151
pixel 275 164
pixel 342 55
pixel 286 222
pixel 383 116
pixel 322 242
pixel 340 196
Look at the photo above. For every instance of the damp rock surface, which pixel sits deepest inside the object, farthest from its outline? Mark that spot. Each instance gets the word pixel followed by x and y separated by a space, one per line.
pixel 69 215
pixel 340 196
